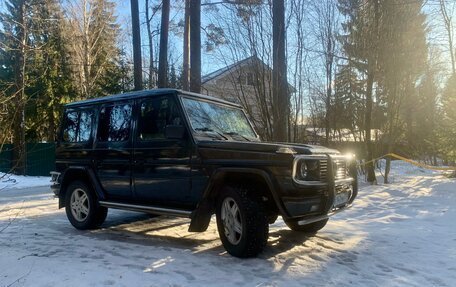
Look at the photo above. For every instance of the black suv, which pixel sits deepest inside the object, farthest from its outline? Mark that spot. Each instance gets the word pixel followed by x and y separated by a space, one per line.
pixel 176 153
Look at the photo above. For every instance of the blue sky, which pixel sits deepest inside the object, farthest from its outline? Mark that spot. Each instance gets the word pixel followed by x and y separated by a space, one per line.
pixel 175 42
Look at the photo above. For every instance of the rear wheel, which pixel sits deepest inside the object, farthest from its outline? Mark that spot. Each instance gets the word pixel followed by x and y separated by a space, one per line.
pixel 241 222
pixel 82 208
pixel 308 228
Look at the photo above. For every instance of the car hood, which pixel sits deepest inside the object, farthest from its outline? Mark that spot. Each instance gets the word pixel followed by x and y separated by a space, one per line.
pixel 267 147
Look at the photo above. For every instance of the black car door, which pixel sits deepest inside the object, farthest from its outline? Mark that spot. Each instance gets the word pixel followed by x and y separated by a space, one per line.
pixel 113 149
pixel 161 166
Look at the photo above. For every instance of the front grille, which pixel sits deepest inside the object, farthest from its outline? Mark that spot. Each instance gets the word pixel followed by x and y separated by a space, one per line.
pixel 318 170
pixel 339 169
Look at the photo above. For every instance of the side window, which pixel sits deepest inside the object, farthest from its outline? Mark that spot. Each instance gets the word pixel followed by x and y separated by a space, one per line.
pixel 70 129
pixel 85 126
pixel 77 126
pixel 155 115
pixel 114 123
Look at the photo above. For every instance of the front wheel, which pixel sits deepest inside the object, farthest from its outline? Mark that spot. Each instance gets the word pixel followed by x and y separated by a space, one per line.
pixel 82 208
pixel 241 222
pixel 308 228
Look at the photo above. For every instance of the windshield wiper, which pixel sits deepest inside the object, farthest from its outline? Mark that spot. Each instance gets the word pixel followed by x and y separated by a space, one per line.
pixel 236 134
pixel 206 129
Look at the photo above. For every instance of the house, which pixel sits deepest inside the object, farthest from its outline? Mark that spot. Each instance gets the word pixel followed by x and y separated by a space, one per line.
pixel 249 83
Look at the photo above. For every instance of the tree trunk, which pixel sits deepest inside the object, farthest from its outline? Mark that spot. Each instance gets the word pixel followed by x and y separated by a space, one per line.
pixel 387 169
pixel 448 27
pixel 279 73
pixel 86 89
pixel 368 116
pixel 328 100
pixel 186 61
pixel 51 124
pixel 151 83
pixel 19 150
pixel 137 65
pixel 163 57
pixel 195 46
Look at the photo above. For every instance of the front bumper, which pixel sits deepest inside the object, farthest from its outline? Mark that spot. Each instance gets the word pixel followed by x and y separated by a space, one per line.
pixel 317 200
pixel 317 218
pixel 55 183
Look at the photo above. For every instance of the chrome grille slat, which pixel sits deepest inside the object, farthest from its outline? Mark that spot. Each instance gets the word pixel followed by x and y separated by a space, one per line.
pixel 323 169
pixel 340 170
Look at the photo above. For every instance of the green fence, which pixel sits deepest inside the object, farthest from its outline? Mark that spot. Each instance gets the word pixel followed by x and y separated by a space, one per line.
pixel 40 158
pixel 6 157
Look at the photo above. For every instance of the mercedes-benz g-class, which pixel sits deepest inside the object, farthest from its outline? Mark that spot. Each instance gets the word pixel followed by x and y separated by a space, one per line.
pixel 170 152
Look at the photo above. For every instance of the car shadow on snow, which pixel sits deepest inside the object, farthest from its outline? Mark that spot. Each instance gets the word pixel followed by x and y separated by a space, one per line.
pixel 169 232
pixel 160 231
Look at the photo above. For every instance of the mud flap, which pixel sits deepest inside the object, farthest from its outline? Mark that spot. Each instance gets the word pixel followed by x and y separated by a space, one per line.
pixel 201 217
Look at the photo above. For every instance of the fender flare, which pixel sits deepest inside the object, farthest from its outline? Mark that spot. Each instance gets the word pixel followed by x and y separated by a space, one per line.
pixel 201 216
pixel 90 176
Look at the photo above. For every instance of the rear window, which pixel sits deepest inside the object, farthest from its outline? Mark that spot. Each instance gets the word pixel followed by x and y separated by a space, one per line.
pixel 77 126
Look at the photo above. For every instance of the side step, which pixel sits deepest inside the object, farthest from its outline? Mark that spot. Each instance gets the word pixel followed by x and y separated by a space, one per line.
pixel 147 209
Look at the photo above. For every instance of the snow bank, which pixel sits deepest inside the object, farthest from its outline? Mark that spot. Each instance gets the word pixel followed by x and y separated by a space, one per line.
pixel 400 171
pixel 21 181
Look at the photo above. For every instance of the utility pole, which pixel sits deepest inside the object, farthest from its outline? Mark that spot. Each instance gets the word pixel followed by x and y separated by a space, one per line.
pixel 137 65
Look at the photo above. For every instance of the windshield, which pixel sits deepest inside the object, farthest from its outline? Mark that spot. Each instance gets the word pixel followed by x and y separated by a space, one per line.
pixel 217 118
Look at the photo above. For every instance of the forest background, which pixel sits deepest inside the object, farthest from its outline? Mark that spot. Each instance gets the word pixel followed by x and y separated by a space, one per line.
pixel 381 73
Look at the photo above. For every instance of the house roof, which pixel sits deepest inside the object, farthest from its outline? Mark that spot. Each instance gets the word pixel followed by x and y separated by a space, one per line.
pixel 230 68
pixel 220 72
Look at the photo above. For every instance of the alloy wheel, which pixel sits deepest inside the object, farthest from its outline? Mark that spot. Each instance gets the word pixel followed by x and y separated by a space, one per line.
pixel 79 204
pixel 232 220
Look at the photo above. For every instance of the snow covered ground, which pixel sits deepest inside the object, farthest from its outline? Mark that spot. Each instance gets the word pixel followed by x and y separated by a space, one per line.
pixel 401 234
pixel 20 181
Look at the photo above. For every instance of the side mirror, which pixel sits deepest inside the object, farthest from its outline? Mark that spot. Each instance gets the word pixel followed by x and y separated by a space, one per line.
pixel 174 132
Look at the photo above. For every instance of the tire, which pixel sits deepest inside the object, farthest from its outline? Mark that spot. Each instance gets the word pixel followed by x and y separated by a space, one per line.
pixel 308 228
pixel 242 222
pixel 82 208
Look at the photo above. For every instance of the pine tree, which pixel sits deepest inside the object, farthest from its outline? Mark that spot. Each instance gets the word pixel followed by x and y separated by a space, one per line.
pixel 50 72
pixel 16 45
pixel 349 99
pixel 402 61
pixel 426 136
pixel 173 79
pixel 360 43
pixel 448 125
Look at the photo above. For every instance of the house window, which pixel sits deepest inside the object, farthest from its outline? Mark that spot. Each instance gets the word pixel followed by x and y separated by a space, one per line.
pixel 250 79
pixel 247 79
